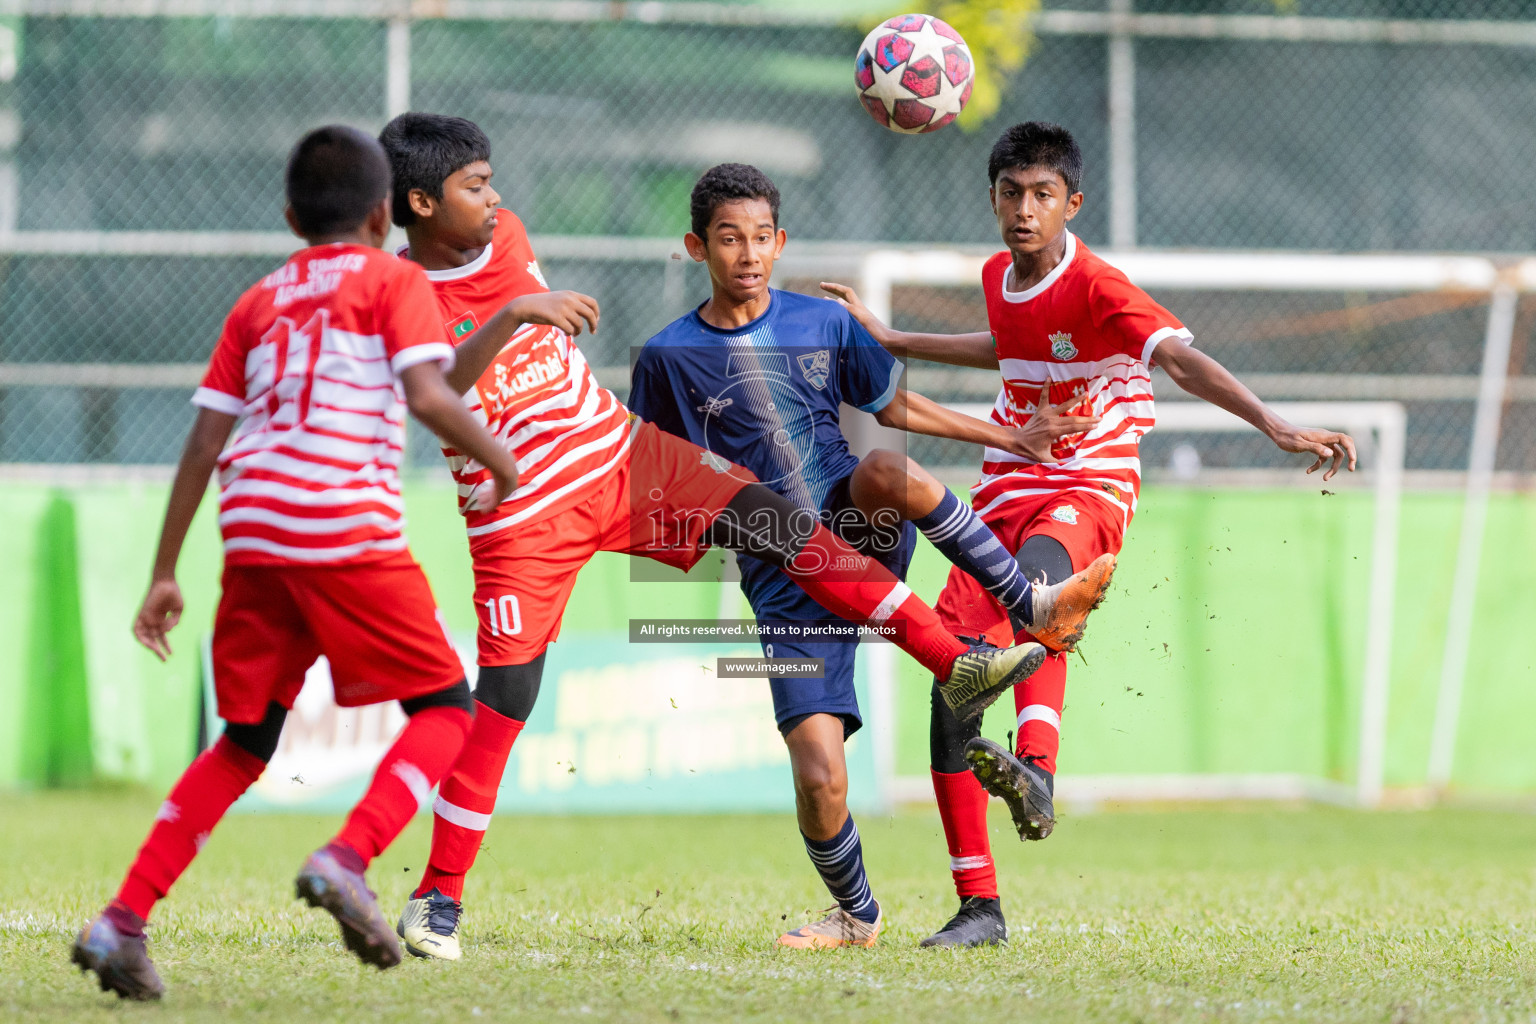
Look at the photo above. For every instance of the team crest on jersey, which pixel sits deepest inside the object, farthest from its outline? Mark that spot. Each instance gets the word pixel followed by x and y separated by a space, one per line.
pixel 1061 345
pixel 1065 514
pixel 817 367
pixel 462 326
pixel 537 274
pixel 713 461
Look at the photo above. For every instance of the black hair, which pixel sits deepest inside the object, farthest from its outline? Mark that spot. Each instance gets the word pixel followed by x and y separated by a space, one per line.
pixel 336 176
pixel 424 149
pixel 729 183
pixel 1038 144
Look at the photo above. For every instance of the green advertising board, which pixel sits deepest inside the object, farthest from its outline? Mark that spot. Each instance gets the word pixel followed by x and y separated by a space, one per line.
pixel 1231 643
pixel 618 728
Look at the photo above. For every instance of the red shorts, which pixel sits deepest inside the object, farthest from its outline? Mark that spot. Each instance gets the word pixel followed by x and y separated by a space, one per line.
pixel 1085 525
pixel 660 503
pixel 376 623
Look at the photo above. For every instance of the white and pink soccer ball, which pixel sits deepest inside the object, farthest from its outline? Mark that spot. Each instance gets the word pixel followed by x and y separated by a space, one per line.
pixel 914 74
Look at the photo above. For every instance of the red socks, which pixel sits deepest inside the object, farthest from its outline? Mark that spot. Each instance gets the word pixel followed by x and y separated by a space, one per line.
pixel 962 801
pixel 963 810
pixel 426 749
pixel 212 783
pixel 1038 700
pixel 465 802
pixel 860 589
pixel 199 799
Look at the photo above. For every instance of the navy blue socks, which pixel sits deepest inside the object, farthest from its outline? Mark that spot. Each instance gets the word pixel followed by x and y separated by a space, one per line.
pixel 841 863
pixel 966 541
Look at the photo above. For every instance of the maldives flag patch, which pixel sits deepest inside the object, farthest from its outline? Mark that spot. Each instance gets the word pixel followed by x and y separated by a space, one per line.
pixel 462 326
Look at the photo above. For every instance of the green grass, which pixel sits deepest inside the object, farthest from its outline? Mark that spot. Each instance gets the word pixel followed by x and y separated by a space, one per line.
pixel 1228 915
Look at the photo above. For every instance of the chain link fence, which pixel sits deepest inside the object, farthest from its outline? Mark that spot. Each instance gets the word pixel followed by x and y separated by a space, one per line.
pixel 1422 349
pixel 601 116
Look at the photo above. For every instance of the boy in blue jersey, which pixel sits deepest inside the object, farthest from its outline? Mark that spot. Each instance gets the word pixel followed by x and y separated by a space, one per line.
pixel 757 376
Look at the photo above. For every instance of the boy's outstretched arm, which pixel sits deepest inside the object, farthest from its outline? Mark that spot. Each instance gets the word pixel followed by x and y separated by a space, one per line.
pixel 565 310
pixel 916 414
pixel 162 606
pixel 955 349
pixel 441 411
pixel 1204 377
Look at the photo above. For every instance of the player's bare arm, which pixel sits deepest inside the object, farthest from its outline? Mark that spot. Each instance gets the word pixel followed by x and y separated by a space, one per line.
pixel 1204 377
pixel 569 311
pixel 974 349
pixel 917 414
pixel 162 606
pixel 435 404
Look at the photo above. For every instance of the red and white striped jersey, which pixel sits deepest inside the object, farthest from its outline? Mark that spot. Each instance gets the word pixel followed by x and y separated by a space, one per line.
pixel 1083 331
pixel 310 360
pixel 538 396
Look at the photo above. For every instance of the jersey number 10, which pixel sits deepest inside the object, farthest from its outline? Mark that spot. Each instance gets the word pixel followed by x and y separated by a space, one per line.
pixel 504 615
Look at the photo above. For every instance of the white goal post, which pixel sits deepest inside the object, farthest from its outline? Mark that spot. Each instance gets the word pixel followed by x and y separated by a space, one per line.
pixel 882 271
pixel 1386 424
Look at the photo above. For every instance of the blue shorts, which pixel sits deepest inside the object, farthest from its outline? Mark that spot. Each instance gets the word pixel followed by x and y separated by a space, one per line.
pixel 777 599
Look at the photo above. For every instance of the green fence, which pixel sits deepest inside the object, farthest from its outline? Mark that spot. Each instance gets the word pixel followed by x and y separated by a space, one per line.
pixel 1231 643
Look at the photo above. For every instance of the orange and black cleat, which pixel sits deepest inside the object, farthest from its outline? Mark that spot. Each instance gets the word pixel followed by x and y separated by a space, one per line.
pixel 1061 609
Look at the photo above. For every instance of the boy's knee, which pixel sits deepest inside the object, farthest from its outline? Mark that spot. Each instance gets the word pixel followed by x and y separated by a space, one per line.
pixel 510 690
pixel 259 739
pixel 1043 557
pixel 883 473
pixel 822 786
pixel 456 697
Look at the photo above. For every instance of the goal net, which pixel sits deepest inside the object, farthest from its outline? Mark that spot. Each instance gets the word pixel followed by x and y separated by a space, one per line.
pixel 1247 648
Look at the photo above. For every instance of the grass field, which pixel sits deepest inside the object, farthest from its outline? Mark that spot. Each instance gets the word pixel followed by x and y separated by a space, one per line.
pixel 1243 914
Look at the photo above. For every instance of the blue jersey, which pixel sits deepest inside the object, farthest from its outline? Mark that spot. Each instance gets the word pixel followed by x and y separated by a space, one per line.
pixel 766 395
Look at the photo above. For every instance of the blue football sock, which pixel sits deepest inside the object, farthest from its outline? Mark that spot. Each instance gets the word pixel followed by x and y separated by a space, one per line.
pixel 966 541
pixel 841 863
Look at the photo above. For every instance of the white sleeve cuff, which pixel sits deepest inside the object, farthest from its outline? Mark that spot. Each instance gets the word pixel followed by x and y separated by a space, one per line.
pixel 218 401
pixel 1151 343
pixel 439 352
pixel 890 390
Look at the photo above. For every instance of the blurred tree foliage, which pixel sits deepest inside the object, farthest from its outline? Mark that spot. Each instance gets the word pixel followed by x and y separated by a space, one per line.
pixel 1000 38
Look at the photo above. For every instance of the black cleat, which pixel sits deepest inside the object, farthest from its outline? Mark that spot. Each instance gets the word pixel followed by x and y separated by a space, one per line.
pixel 979 922
pixel 1024 788
pixel 983 673
pixel 324 883
pixel 121 962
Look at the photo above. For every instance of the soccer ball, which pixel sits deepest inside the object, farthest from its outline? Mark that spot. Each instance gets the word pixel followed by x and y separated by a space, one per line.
pixel 914 74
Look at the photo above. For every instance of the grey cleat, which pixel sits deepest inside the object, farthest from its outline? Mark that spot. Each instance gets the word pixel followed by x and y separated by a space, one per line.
pixel 323 882
pixel 121 962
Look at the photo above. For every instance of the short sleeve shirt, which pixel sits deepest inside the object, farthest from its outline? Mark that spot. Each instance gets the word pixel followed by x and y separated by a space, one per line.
pixel 767 395
pixel 1085 332
pixel 310 361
